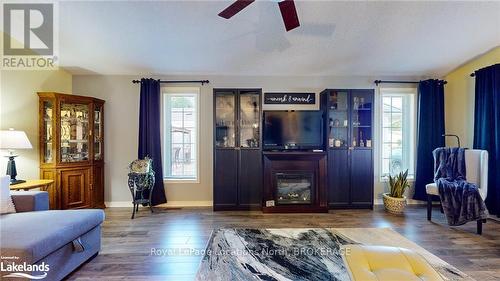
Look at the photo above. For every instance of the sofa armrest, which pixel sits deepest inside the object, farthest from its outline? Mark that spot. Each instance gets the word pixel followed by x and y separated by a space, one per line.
pixel 27 201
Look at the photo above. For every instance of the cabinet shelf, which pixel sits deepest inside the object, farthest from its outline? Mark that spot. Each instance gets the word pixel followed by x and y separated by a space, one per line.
pixel 74 120
pixel 74 141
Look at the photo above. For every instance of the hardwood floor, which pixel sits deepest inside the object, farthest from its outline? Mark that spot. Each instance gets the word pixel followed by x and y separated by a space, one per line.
pixel 127 245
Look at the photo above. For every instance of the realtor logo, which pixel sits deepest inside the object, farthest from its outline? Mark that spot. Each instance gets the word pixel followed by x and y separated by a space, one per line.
pixel 29 36
pixel 28 29
pixel 11 267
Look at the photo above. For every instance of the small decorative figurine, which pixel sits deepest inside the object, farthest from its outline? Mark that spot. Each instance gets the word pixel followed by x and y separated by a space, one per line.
pixel 369 143
pixel 338 143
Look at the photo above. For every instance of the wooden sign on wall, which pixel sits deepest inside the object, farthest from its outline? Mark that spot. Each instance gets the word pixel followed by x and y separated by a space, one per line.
pixel 289 98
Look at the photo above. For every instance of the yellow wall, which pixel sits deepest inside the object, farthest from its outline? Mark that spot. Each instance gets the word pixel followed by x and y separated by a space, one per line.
pixel 459 98
pixel 19 110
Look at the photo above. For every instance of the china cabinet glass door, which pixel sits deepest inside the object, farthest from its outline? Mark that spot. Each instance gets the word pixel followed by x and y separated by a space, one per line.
pixel 361 135
pixel 249 119
pixel 74 132
pixel 48 109
pixel 338 122
pixel 98 132
pixel 225 130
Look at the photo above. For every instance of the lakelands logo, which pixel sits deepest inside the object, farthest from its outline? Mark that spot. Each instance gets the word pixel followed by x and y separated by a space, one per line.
pixel 18 270
pixel 28 36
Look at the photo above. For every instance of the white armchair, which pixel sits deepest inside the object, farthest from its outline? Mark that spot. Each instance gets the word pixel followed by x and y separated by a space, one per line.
pixel 476 171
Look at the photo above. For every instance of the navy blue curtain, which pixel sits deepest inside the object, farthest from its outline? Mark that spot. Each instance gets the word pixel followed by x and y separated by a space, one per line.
pixel 487 129
pixel 149 134
pixel 430 130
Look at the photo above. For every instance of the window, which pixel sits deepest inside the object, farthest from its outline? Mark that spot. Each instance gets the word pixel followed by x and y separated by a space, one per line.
pixel 180 138
pixel 398 131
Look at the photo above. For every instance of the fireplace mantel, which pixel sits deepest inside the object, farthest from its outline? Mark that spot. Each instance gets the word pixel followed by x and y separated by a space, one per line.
pixel 295 163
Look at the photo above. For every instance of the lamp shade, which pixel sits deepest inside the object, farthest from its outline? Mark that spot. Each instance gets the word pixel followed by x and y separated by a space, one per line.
pixel 11 139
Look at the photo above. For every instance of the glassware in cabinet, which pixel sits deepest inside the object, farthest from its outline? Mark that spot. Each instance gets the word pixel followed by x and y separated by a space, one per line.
pixel 225 117
pixel 47 141
pixel 98 122
pixel 338 119
pixel 249 119
pixel 362 119
pixel 74 132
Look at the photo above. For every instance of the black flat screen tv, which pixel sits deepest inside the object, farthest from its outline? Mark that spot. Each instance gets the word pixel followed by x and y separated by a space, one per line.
pixel 302 130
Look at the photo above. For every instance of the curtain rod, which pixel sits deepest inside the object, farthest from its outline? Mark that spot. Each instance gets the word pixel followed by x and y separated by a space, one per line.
pixel 399 82
pixel 473 74
pixel 203 82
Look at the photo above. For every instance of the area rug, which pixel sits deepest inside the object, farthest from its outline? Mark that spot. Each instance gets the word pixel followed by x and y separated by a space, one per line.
pixel 298 254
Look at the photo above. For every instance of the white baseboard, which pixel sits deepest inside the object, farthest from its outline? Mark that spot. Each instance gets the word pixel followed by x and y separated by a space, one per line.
pixel 188 204
pixel 118 204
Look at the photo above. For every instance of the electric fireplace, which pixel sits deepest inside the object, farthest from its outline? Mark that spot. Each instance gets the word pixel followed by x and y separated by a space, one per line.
pixel 294 182
pixel 294 188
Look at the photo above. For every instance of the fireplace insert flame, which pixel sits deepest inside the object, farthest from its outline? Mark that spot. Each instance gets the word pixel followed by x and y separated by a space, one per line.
pixel 293 188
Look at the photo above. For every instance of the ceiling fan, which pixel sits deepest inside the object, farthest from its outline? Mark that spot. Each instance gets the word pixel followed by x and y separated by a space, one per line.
pixel 287 8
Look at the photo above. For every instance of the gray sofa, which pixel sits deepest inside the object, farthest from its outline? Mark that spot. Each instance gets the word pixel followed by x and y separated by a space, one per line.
pixel 61 239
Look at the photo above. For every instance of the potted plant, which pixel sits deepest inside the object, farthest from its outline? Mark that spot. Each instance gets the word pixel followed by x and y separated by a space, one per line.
pixel 395 201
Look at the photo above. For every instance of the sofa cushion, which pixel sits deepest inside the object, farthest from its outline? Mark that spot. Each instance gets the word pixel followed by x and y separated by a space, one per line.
pixel 6 205
pixel 33 235
pixel 28 201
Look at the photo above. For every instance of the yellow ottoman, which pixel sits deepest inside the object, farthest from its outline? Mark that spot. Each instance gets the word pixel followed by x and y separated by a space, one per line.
pixel 386 263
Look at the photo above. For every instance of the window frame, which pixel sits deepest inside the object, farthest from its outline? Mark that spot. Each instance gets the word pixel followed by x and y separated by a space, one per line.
pixel 410 117
pixel 180 91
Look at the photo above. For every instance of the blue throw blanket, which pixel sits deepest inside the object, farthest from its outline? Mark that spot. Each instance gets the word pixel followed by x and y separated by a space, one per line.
pixel 460 199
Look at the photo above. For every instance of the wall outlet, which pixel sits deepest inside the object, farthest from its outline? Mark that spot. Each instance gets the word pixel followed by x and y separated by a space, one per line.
pixel 270 203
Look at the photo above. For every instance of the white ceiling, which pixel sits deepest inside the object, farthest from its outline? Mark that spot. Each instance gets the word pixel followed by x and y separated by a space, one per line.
pixel 335 37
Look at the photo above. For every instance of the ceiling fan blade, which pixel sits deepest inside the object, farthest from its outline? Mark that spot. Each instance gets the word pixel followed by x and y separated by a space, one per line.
pixel 235 8
pixel 289 14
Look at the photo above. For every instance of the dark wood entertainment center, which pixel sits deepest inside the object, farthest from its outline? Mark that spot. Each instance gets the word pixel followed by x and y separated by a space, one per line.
pixel 339 175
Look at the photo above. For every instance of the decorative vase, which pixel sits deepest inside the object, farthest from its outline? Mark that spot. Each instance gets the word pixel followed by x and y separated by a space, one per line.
pixel 394 205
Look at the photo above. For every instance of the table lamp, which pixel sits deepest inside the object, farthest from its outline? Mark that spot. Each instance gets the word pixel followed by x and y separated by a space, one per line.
pixel 11 140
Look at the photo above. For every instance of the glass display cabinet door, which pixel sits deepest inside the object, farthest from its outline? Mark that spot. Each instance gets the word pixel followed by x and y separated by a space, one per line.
pixel 48 114
pixel 362 106
pixel 338 122
pixel 249 120
pixel 98 132
pixel 225 117
pixel 74 132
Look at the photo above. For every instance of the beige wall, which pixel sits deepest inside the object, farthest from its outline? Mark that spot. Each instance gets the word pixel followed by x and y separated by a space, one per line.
pixel 459 98
pixel 19 110
pixel 121 118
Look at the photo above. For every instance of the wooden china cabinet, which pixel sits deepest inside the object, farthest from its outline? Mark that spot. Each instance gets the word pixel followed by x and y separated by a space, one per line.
pixel 71 142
